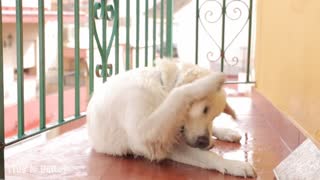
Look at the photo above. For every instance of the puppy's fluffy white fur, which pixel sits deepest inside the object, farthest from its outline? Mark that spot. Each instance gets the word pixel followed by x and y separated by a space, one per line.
pixel 141 112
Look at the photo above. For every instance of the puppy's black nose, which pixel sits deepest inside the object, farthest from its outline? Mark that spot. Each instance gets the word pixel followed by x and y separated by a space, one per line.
pixel 202 142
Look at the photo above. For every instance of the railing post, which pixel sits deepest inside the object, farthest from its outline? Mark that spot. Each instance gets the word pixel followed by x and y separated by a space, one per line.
pixel 2 142
pixel 60 63
pixel 137 32
pixel 249 42
pixel 116 43
pixel 161 28
pixel 169 42
pixel 104 40
pixel 42 64
pixel 222 54
pixel 19 41
pixel 77 58
pixel 197 33
pixel 91 50
pixel 146 35
pixel 154 30
pixel 128 46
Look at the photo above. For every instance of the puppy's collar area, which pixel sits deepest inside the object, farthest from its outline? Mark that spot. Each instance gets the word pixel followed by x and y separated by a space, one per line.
pixel 167 82
pixel 161 80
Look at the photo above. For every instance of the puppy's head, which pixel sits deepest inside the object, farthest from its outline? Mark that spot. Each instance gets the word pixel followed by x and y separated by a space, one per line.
pixel 197 129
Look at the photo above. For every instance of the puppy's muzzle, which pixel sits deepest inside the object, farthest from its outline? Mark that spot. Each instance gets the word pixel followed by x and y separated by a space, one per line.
pixel 202 142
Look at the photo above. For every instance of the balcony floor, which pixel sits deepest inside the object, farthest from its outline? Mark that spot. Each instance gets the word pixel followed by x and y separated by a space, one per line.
pixel 69 155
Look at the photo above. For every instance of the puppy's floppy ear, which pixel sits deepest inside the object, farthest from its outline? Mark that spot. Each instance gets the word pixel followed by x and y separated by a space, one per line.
pixel 227 109
pixel 169 72
pixel 221 78
pixel 230 111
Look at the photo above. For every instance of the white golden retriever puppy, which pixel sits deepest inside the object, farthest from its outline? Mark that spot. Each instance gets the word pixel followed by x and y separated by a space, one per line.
pixel 163 112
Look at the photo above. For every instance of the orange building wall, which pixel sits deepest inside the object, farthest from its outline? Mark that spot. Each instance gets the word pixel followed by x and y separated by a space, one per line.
pixel 288 60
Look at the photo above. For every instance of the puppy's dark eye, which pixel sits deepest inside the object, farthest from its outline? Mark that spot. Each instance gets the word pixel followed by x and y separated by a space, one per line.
pixel 205 110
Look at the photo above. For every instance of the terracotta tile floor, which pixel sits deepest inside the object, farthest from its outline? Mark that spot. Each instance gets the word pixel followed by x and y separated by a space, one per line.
pixel 69 156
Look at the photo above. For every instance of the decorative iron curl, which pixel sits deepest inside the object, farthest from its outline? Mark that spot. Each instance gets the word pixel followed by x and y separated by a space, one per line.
pixel 237 11
pixel 234 61
pixel 210 57
pixel 209 14
pixel 104 11
pixel 97 6
pixel 99 70
pixel 107 13
pixel 231 12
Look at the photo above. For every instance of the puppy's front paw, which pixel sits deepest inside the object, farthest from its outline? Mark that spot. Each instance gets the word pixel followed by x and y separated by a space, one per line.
pixel 228 135
pixel 232 136
pixel 238 168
